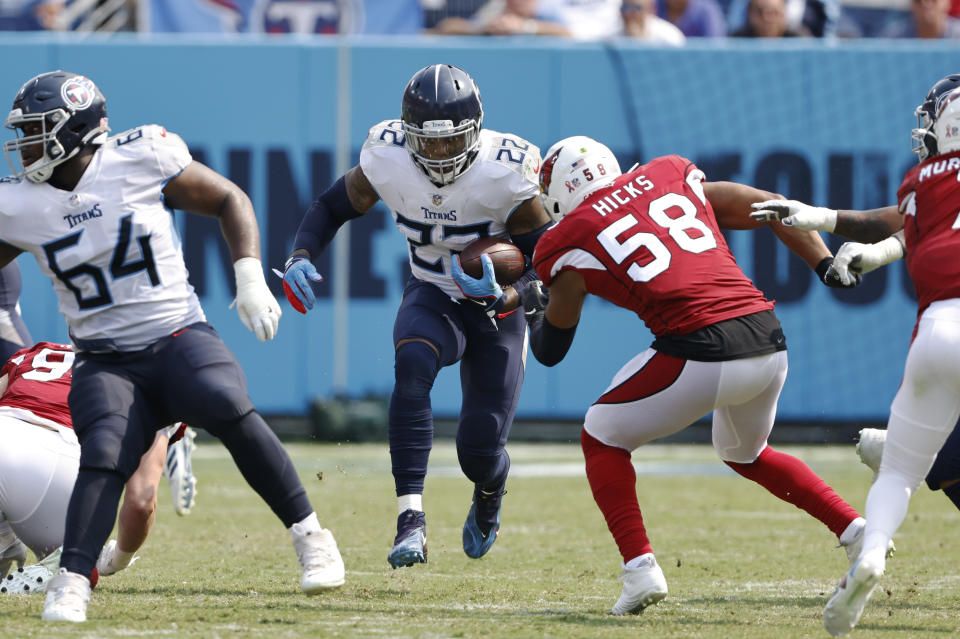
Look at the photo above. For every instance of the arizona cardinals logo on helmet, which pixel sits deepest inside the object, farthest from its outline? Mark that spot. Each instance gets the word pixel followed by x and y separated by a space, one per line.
pixel 546 171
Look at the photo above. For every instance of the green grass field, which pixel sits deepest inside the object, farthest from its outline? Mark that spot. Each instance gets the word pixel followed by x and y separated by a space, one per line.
pixel 739 562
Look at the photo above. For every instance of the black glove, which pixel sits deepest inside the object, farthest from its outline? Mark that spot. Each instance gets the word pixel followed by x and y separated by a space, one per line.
pixel 831 278
pixel 534 298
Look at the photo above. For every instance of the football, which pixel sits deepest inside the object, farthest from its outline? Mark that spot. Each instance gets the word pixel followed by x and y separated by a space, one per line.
pixel 508 261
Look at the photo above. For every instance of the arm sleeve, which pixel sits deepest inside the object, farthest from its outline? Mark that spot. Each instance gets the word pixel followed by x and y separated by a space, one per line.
pixel 549 343
pixel 325 216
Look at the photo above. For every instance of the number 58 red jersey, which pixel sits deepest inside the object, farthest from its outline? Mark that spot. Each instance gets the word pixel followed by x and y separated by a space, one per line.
pixel 650 243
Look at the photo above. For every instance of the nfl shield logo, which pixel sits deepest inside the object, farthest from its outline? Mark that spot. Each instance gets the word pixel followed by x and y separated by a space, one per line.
pixel 437 199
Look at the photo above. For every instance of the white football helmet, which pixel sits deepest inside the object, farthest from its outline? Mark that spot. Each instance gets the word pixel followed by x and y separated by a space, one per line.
pixel 930 136
pixel 574 168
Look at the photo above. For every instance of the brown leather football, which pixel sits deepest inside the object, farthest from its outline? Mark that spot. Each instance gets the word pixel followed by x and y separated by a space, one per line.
pixel 508 261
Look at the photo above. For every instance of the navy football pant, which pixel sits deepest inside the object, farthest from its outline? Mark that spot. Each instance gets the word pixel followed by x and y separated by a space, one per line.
pixel 118 402
pixel 947 464
pixel 432 331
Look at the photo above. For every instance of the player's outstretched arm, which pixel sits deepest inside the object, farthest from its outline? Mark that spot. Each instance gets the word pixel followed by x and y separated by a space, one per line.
pixel 349 197
pixel 201 190
pixel 733 206
pixel 871 225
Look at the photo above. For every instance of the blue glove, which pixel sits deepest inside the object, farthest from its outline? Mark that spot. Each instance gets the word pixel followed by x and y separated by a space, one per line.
pixel 483 291
pixel 297 275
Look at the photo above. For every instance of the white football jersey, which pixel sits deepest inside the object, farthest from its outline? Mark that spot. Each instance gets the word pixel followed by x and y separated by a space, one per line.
pixel 110 246
pixel 440 221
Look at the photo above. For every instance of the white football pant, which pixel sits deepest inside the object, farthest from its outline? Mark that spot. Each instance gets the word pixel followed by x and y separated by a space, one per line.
pixel 38 468
pixel 922 416
pixel 742 393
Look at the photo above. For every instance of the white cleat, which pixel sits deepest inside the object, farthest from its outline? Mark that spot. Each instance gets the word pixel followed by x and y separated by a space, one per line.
pixel 854 546
pixel 870 448
pixel 319 558
pixel 178 469
pixel 844 608
pixel 67 597
pixel 643 586
pixel 106 562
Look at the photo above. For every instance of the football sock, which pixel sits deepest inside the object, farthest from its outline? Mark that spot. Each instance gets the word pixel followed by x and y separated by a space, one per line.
pixel 794 482
pixel 121 559
pixel 310 523
pixel 91 514
pixel 886 508
pixel 411 416
pixel 409 502
pixel 614 484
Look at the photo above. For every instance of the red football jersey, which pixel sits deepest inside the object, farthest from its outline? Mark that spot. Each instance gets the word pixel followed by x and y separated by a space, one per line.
pixel 650 243
pixel 929 197
pixel 39 381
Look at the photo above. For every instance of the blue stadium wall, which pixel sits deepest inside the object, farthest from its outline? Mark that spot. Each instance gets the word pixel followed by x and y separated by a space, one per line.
pixel 827 124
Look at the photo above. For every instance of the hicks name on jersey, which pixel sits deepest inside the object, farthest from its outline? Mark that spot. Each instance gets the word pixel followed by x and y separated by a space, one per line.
pixel 632 190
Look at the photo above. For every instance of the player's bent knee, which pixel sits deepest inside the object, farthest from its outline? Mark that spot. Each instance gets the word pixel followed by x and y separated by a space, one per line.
pixel 416 367
pixel 103 450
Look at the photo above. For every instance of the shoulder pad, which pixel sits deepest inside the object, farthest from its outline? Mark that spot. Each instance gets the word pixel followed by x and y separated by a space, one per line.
pixel 146 132
pixel 386 133
pixel 515 153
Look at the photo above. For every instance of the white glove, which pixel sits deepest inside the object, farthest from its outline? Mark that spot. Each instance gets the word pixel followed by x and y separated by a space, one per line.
pixel 257 307
pixel 794 213
pixel 854 257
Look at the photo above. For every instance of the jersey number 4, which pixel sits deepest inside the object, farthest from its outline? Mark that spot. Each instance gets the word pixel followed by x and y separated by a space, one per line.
pixel 119 265
pixel 679 228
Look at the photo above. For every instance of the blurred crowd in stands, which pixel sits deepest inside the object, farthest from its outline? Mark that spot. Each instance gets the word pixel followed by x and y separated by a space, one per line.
pixel 659 22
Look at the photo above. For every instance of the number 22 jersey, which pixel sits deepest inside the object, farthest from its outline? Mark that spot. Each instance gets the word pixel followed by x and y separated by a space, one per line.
pixel 649 242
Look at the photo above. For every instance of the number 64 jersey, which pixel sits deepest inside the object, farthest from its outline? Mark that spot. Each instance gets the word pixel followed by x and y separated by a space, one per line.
pixel 650 243
pixel 110 246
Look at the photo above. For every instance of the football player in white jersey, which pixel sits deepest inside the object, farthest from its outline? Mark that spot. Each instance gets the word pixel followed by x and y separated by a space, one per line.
pixel 447 182
pixel 96 214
